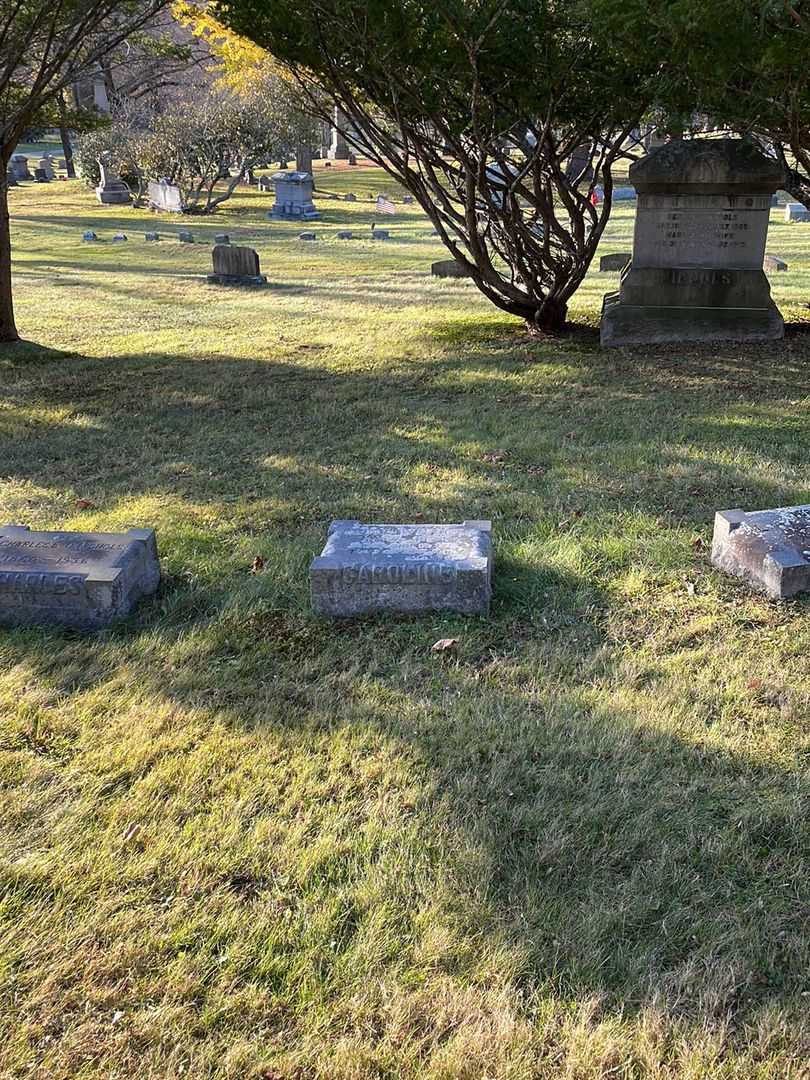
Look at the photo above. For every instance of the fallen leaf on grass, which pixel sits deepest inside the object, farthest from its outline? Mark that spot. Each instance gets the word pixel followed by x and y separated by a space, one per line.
pixel 257 565
pixel 445 644
pixel 494 457
pixel 754 684
pixel 85 504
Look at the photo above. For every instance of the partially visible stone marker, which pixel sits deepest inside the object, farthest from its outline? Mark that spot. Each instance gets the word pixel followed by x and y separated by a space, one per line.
pixel 19 166
pixel 72 578
pixel 185 237
pixel 403 568
pixel 41 176
pixel 774 264
pixel 768 548
pixel 796 212
pixel 307 236
pixel 165 196
pixel 344 234
pixel 112 191
pixel 407 199
pixel 89 236
pixel 222 238
pixel 236 266
pixel 119 237
pixel 350 197
pixel 380 234
pixel 46 164
pixel 617 261
pixel 11 179
pixel 449 268
pixel 151 236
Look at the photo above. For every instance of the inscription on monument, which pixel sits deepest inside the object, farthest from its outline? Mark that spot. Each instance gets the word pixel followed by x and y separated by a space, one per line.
pixel 74 579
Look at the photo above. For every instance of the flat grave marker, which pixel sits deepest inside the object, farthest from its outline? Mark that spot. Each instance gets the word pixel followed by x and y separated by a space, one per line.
pixel 78 579
pixel 403 568
pixel 770 549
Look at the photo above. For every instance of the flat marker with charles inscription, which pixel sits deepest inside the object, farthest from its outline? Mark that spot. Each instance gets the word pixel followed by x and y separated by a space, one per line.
pixel 87 580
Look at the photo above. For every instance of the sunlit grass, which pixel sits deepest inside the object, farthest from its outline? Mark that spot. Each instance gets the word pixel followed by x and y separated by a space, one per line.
pixel 240 841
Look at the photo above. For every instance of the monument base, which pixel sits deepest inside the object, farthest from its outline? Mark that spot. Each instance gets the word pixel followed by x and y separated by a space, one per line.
pixel 630 324
pixel 237 279
pixel 306 215
pixel 113 197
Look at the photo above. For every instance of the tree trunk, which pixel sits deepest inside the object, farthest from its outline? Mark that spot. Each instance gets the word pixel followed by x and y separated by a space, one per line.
pixel 303 158
pixel 550 318
pixel 8 328
pixel 64 135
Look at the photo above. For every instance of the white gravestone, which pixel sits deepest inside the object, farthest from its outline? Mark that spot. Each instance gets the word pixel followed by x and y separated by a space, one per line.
pixel 701 226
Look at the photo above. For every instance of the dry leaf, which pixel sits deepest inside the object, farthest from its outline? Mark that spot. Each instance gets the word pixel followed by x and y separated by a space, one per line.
pixel 754 684
pixel 494 457
pixel 445 644
pixel 257 565
pixel 85 504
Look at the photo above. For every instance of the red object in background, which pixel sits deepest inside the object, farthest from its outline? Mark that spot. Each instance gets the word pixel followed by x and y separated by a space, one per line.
pixel 594 198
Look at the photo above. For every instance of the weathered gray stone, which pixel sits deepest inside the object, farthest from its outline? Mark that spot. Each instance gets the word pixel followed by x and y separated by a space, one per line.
pixel 151 237
pixel 265 183
pixel 796 212
pixel 308 236
pixel 403 568
pixel 339 149
pixel 350 197
pixel 89 236
pixel 19 166
pixel 616 261
pixel 344 234
pixel 768 548
pixel 449 268
pixel 698 249
pixel 222 238
pixel 72 578
pixel 774 264
pixel 624 194
pixel 380 234
pixel 185 237
pixel 112 191
pixel 119 237
pixel 11 179
pixel 408 200
pixel 236 266
pixel 165 196
pixel 41 176
pixel 293 197
pixel 46 164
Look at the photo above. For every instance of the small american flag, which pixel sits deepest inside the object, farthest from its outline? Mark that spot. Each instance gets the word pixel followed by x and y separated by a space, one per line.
pixel 385 206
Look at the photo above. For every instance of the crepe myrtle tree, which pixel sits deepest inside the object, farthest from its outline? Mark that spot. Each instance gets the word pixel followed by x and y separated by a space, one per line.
pixel 46 46
pixel 476 107
pixel 207 146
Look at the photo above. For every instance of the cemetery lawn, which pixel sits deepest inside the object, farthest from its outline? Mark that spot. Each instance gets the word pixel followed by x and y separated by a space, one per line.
pixel 240 841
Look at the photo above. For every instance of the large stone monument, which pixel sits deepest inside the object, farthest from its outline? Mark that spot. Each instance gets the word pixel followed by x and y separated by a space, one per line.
pixel 403 568
pixel 46 164
pixel 293 197
pixel 19 166
pixel 339 149
pixel 165 196
pixel 701 227
pixel 112 191
pixel 73 578
pixel 770 549
pixel 235 266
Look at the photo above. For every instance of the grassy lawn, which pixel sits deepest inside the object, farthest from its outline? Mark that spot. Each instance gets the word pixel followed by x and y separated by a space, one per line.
pixel 239 841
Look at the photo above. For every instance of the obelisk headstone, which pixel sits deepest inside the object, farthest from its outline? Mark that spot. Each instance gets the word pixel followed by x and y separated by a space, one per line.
pixel 700 233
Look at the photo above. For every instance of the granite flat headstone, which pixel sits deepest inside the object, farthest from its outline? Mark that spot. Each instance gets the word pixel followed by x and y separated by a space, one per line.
pixel 616 261
pixel 770 549
pixel 89 236
pixel 72 578
pixel 222 238
pixel 774 264
pixel 380 234
pixel 403 568
pixel 307 236
pixel 699 243
pixel 41 176
pixel 796 212
pixel 236 266
pixel 350 197
pixel 185 237
pixel 449 268
pixel 119 237
pixel 151 237
pixel 344 234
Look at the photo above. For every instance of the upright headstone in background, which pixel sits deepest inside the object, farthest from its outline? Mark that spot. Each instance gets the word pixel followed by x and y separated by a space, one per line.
pixel 449 268
pixel 235 266
pixel 294 197
pixel 112 191
pixel 41 176
pixel 46 163
pixel 265 183
pixel 11 179
pixel 19 166
pixel 74 579
pixel 339 149
pixel 796 212
pixel 165 196
pixel 699 242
